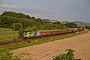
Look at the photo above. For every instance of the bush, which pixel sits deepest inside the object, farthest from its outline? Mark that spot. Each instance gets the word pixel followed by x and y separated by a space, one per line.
pixel 21 33
pixel 68 56
pixel 34 28
pixel 5 54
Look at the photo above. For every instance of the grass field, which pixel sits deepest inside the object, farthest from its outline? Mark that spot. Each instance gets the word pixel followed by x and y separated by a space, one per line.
pixel 7 34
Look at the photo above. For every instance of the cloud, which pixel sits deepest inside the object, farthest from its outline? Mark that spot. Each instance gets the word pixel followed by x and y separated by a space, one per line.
pixel 2 1
pixel 64 8
pixel 4 4
pixel 48 10
pixel 69 8
pixel 1 10
pixel 12 6
pixel 78 7
pixel 55 0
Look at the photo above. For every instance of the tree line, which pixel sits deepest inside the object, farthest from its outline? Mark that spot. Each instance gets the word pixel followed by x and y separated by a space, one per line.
pixel 8 18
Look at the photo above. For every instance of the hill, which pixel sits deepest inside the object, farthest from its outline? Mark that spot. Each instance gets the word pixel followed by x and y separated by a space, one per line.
pixel 8 18
pixel 79 23
pixel 82 24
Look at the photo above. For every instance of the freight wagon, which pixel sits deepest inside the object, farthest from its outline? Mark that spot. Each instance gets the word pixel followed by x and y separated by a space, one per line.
pixel 50 33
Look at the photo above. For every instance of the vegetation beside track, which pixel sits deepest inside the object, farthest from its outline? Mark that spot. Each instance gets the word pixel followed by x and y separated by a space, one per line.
pixel 7 34
pixel 41 40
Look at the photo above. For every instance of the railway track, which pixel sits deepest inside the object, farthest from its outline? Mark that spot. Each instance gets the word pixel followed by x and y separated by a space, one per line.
pixel 11 42
pixel 21 41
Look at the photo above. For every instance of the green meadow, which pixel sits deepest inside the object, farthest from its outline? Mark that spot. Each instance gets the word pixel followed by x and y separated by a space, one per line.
pixel 7 34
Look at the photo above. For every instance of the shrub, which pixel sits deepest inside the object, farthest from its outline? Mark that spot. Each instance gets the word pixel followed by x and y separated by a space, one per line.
pixel 68 56
pixel 34 28
pixel 21 33
pixel 5 54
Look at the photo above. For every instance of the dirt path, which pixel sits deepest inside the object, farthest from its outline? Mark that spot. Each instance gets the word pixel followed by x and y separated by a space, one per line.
pixel 46 51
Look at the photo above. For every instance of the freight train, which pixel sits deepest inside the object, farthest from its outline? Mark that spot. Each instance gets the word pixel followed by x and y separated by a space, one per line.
pixel 50 33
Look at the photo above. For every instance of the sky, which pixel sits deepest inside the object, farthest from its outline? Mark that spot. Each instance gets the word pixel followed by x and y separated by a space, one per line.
pixel 61 10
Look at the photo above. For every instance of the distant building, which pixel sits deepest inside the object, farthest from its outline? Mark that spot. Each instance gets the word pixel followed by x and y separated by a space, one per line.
pixel 64 22
pixel 52 21
pixel 48 20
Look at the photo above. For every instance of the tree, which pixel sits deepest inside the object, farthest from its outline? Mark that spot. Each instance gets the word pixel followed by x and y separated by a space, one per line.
pixel 16 26
pixel 8 18
pixel 34 28
pixel 21 32
pixel 57 22
pixel 71 25
pixel 33 17
pixel 87 27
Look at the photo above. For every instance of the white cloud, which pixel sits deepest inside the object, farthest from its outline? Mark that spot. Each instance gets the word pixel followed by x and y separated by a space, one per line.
pixel 64 8
pixel 1 10
pixel 56 0
pixel 12 6
pixel 52 10
pixel 48 10
pixel 43 9
pixel 4 4
pixel 2 1
pixel 69 8
pixel 87 6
